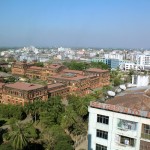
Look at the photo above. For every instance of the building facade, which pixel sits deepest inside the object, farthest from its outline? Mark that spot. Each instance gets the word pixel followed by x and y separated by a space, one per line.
pixel 120 124
pixel 22 93
pixel 78 82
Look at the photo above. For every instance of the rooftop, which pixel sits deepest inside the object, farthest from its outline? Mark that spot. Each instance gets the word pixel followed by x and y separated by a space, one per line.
pixel 24 86
pixel 73 71
pixel 71 77
pixel 55 66
pixel 35 68
pixel 133 102
pixel 55 85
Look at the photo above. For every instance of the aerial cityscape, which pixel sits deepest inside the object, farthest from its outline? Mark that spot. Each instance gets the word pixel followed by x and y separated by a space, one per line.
pixel 75 75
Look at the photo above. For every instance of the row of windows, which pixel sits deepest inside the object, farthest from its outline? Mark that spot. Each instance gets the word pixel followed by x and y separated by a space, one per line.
pixel 103 119
pixel 102 134
pixel 100 147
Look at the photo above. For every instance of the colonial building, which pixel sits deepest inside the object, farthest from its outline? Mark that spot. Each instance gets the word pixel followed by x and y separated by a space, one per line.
pixel 58 89
pixel 22 93
pixel 34 72
pixel 101 79
pixel 31 71
pixel 77 83
pixel 19 68
pixel 123 123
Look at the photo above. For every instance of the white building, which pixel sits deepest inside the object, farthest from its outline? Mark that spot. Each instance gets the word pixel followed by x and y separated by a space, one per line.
pixel 113 55
pixel 143 60
pixel 129 66
pixel 140 80
pixel 123 123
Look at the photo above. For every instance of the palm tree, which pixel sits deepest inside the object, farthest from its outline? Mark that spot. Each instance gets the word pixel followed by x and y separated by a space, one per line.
pixel 82 107
pixel 69 118
pixel 18 138
pixel 34 108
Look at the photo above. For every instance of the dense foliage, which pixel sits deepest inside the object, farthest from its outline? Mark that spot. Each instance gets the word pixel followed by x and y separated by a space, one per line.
pixel 74 65
pixel 50 125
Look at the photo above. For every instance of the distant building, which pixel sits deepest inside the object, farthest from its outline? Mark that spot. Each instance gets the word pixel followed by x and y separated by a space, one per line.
pixel 112 63
pixel 143 60
pixel 78 82
pixel 123 123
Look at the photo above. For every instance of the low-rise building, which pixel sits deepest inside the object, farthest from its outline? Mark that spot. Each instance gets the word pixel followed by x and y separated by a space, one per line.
pixel 122 123
pixel 58 89
pixel 22 93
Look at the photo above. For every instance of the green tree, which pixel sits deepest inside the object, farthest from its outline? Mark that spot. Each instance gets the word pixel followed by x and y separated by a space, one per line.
pixel 34 109
pixel 117 81
pixel 18 139
pixel 99 65
pixel 6 146
pixel 63 141
pixel 48 139
pixel 76 65
pixel 39 64
pixel 69 117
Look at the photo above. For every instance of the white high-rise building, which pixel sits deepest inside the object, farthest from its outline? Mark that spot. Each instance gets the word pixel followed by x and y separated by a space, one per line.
pixel 122 123
pixel 143 60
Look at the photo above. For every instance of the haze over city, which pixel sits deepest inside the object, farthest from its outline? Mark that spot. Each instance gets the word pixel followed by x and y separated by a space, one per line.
pixel 75 23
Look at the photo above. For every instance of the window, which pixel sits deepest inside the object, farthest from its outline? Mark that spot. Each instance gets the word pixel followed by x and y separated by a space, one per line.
pixel 127 141
pixel 126 125
pixel 100 147
pixel 103 119
pixel 146 131
pixel 102 134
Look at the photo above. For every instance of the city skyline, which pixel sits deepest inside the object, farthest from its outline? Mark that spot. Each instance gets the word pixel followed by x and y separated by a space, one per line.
pixel 123 24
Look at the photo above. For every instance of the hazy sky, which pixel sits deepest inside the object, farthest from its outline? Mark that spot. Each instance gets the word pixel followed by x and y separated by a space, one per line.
pixel 89 23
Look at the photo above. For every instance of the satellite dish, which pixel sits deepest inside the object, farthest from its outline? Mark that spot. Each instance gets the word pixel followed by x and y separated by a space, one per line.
pixel 111 93
pixel 123 87
pixel 118 90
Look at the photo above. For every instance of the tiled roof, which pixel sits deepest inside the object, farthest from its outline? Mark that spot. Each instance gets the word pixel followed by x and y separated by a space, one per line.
pixel 35 68
pixel 69 78
pixel 73 71
pixel 135 100
pixel 24 86
pixel 54 85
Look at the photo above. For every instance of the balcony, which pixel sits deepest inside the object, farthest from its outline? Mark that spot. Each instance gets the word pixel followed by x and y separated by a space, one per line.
pixel 145 133
pixel 145 136
pixel 127 127
pixel 123 142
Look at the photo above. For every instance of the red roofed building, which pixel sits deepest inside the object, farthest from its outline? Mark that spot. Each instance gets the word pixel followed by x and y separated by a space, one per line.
pixel 103 77
pixel 22 93
pixel 58 89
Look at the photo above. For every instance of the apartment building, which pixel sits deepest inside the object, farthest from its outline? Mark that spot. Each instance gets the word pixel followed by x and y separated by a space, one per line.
pixel 122 123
